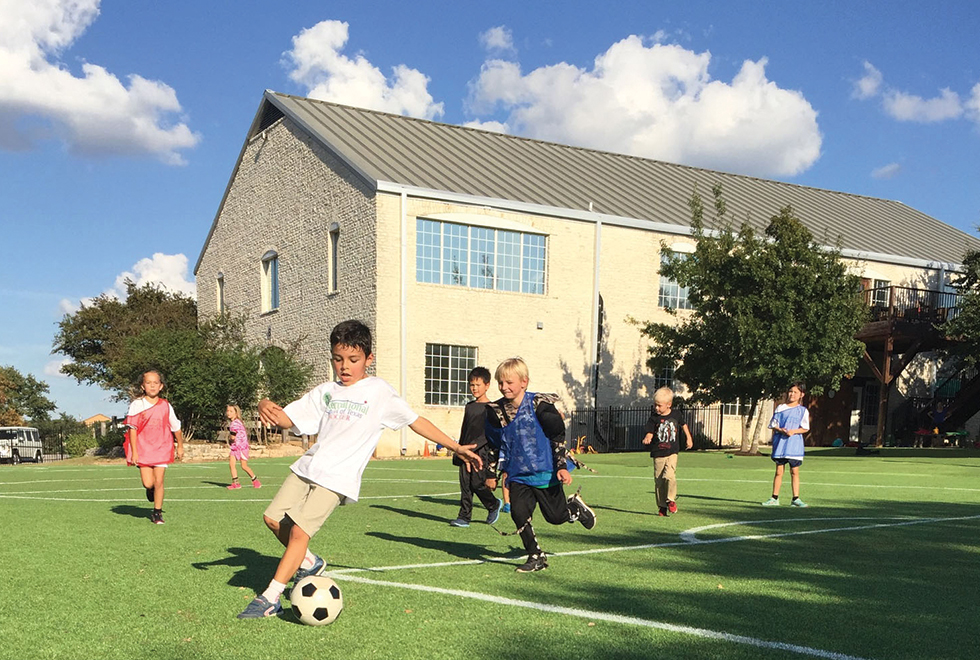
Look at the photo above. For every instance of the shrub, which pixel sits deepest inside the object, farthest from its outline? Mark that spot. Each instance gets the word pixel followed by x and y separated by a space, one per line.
pixel 77 443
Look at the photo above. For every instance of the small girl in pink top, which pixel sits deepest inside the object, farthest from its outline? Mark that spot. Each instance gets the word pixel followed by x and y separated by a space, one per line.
pixel 150 439
pixel 239 447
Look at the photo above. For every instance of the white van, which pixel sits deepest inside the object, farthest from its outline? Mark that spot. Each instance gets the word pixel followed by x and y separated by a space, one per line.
pixel 20 443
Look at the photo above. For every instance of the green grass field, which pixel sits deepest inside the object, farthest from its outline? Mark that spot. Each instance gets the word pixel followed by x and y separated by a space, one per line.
pixel 883 564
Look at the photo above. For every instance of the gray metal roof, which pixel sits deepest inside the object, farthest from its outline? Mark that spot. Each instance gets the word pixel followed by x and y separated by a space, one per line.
pixel 393 149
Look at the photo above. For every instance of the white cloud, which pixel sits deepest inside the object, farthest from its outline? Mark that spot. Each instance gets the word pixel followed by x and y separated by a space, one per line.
pixel 493 126
pixel 53 368
pixel 498 40
pixel 658 102
pixel 166 270
pixel 317 63
pixel 869 84
pixel 888 171
pixel 909 107
pixel 972 104
pixel 93 114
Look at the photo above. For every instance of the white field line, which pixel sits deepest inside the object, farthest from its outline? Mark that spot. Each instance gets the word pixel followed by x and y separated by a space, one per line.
pixel 232 500
pixel 613 618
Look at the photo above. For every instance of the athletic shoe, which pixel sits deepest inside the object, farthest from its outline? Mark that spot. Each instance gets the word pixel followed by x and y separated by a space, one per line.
pixel 318 567
pixel 459 522
pixel 260 608
pixel 772 501
pixel 672 506
pixel 663 512
pixel 581 511
pixel 534 563
pixel 156 518
pixel 798 502
pixel 506 508
pixel 234 486
pixel 256 483
pixel 493 516
pixel 150 493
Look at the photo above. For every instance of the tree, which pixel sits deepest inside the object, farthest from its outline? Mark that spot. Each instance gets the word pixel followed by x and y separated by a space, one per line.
pixel 767 310
pixel 965 326
pixel 206 367
pixel 22 397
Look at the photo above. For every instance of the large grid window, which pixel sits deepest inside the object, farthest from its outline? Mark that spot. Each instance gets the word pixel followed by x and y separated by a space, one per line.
pixel 446 370
pixel 671 294
pixel 270 282
pixel 479 257
pixel 664 378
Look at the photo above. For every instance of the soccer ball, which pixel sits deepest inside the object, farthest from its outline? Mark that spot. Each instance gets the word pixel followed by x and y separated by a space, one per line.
pixel 316 600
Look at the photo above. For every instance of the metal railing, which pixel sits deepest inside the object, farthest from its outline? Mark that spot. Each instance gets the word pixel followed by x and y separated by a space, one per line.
pixel 912 305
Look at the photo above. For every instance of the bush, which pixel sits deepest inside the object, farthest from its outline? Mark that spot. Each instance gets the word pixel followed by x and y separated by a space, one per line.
pixel 77 443
pixel 112 438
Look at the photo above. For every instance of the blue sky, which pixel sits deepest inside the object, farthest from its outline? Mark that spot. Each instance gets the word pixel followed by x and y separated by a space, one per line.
pixel 120 122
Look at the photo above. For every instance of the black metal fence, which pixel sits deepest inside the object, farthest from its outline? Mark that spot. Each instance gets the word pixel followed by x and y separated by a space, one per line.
pixel 615 429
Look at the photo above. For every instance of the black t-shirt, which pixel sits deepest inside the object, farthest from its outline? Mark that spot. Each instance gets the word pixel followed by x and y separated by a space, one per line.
pixel 666 430
pixel 472 430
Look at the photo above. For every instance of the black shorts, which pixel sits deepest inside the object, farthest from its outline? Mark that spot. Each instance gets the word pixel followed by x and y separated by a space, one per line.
pixel 792 462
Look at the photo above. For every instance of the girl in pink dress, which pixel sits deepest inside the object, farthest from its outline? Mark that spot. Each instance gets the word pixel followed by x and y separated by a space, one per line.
pixel 239 447
pixel 150 437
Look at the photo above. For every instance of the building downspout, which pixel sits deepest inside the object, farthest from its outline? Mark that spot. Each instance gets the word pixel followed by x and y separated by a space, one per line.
pixel 593 347
pixel 403 314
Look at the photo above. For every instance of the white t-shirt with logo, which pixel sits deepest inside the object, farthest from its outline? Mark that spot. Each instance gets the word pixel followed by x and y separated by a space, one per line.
pixel 348 422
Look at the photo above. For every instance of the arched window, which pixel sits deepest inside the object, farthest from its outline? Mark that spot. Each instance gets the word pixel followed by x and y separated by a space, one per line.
pixel 270 281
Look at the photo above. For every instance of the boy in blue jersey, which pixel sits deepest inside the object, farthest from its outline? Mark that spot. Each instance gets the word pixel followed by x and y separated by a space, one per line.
pixel 530 433
pixel 790 421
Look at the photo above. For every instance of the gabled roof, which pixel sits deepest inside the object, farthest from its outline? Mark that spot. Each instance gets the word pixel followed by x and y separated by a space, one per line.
pixel 395 153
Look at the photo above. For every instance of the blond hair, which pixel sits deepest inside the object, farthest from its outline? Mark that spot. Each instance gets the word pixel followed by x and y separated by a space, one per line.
pixel 514 366
pixel 664 394
pixel 236 410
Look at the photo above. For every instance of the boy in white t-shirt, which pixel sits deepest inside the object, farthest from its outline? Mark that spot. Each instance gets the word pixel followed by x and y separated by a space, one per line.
pixel 348 416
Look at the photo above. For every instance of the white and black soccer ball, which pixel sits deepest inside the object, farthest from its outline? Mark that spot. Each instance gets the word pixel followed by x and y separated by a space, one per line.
pixel 316 600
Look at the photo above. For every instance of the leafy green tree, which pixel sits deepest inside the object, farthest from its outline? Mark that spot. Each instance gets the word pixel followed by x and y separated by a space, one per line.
pixel 766 310
pixel 965 327
pixel 22 397
pixel 284 376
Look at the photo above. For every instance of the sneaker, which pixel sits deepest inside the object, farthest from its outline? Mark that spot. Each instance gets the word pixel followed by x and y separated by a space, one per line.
pixel 663 512
pixel 672 506
pixel 505 508
pixel 459 522
pixel 798 502
pixel 234 486
pixel 156 518
pixel 772 501
pixel 493 516
pixel 318 566
pixel 150 492
pixel 581 512
pixel 260 608
pixel 256 483
pixel 534 563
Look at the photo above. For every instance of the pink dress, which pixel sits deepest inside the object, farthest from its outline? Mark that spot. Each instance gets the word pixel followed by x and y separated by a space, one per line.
pixel 154 438
pixel 239 446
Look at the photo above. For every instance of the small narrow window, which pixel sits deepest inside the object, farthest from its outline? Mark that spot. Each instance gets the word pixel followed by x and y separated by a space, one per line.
pixel 334 251
pixel 270 281
pixel 219 294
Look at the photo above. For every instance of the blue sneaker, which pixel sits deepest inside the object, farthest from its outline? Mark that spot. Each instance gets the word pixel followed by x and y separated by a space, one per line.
pixel 506 508
pixel 772 501
pixel 459 522
pixel 315 569
pixel 260 608
pixel 798 502
pixel 493 516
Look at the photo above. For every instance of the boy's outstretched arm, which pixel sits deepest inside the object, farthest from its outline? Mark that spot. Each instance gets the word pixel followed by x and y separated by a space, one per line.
pixel 430 431
pixel 273 414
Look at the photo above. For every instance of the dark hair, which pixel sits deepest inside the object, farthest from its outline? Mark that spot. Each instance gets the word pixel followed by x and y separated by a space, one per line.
pixel 479 372
pixel 798 384
pixel 353 334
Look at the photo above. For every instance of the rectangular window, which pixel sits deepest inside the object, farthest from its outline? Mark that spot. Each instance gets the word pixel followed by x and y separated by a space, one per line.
pixel 665 378
pixel 733 408
pixel 270 283
pixel 869 403
pixel 479 257
pixel 672 295
pixel 219 295
pixel 879 293
pixel 334 245
pixel 446 371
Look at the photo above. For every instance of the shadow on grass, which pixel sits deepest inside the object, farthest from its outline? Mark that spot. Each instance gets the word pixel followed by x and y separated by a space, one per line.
pixel 134 511
pixel 220 484
pixel 629 511
pixel 715 499
pixel 453 548
pixel 429 499
pixel 256 568
pixel 411 513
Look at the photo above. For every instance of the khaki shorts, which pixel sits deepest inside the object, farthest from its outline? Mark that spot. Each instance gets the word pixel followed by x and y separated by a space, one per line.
pixel 306 504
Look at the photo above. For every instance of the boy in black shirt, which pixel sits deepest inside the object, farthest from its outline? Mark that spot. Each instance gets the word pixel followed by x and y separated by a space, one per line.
pixel 472 433
pixel 666 425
